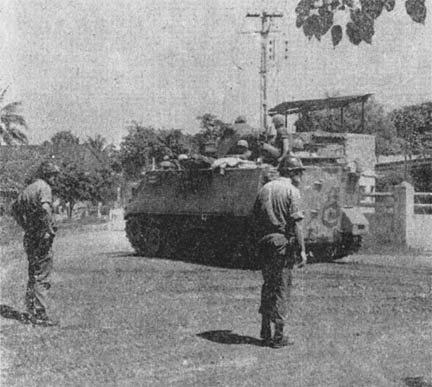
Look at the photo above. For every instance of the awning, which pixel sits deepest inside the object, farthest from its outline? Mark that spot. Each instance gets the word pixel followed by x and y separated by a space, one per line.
pixel 307 105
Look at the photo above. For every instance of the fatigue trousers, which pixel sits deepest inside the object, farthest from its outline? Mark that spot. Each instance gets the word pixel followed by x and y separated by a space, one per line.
pixel 40 263
pixel 277 264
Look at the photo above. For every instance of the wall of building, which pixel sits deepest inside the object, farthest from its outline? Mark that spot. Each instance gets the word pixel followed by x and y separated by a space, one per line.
pixel 422 238
pixel 392 220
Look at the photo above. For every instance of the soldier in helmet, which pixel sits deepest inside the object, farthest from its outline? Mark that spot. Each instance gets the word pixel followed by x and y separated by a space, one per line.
pixel 33 212
pixel 240 130
pixel 168 163
pixel 281 141
pixel 278 147
pixel 242 150
pixel 278 229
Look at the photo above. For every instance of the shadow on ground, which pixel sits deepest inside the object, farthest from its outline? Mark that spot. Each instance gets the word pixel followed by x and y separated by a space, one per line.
pixel 417 381
pixel 9 312
pixel 228 337
pixel 226 261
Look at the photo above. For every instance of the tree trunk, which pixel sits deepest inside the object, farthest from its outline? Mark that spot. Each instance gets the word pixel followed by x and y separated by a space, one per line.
pixel 70 209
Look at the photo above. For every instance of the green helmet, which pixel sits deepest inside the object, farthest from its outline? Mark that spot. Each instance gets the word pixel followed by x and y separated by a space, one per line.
pixel 291 163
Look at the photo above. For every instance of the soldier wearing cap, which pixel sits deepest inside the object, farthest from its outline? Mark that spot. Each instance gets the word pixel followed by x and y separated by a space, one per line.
pixel 278 228
pixel 33 212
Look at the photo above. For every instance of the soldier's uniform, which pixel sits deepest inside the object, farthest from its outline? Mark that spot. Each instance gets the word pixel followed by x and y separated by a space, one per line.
pixel 276 210
pixel 39 234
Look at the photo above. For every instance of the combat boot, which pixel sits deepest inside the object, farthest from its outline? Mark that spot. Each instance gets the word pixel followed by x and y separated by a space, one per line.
pixel 279 340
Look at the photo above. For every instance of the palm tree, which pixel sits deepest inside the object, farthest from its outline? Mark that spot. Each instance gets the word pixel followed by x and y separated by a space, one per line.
pixel 98 143
pixel 11 123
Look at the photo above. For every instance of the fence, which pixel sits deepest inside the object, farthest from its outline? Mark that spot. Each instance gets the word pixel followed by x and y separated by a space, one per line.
pixel 401 216
pixel 423 203
pixel 84 211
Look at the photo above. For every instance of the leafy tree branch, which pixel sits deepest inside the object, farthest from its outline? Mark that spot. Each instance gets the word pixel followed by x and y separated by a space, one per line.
pixel 317 17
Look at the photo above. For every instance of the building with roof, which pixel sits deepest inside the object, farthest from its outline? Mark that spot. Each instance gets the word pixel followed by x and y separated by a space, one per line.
pixel 19 162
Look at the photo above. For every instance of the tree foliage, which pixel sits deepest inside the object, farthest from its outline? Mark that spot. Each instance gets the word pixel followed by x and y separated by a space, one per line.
pixel 212 128
pixel 98 143
pixel 422 178
pixel 389 180
pixel 75 183
pixel 64 138
pixel 11 123
pixel 414 125
pixel 87 170
pixel 317 17
pixel 143 144
pixel 176 142
pixel 106 153
pixel 376 122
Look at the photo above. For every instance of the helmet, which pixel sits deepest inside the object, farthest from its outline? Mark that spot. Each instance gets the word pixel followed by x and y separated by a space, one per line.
pixel 166 164
pixel 291 163
pixel 278 120
pixel 240 120
pixel 243 143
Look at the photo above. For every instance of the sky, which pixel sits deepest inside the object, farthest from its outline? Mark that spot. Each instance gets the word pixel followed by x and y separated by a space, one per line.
pixel 92 67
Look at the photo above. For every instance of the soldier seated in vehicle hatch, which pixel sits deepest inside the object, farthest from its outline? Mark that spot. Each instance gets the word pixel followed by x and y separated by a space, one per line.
pixel 232 134
pixel 241 150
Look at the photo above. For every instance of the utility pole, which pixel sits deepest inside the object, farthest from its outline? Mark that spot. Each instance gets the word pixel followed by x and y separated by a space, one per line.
pixel 264 32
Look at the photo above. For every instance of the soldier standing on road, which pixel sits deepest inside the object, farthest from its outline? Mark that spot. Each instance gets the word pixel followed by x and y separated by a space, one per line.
pixel 278 221
pixel 33 212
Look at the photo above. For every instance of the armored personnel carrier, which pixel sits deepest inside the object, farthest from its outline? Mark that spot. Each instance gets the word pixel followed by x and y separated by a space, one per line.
pixel 205 214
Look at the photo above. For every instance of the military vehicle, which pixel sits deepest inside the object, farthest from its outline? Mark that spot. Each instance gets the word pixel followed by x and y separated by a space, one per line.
pixel 205 214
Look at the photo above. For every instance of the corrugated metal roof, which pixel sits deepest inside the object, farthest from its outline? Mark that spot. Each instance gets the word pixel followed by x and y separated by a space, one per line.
pixel 308 105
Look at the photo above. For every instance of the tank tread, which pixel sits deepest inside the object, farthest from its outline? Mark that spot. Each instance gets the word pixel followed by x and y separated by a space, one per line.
pixel 144 235
pixel 176 237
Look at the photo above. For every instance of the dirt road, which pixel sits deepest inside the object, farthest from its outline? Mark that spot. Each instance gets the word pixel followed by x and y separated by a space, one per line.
pixel 134 321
